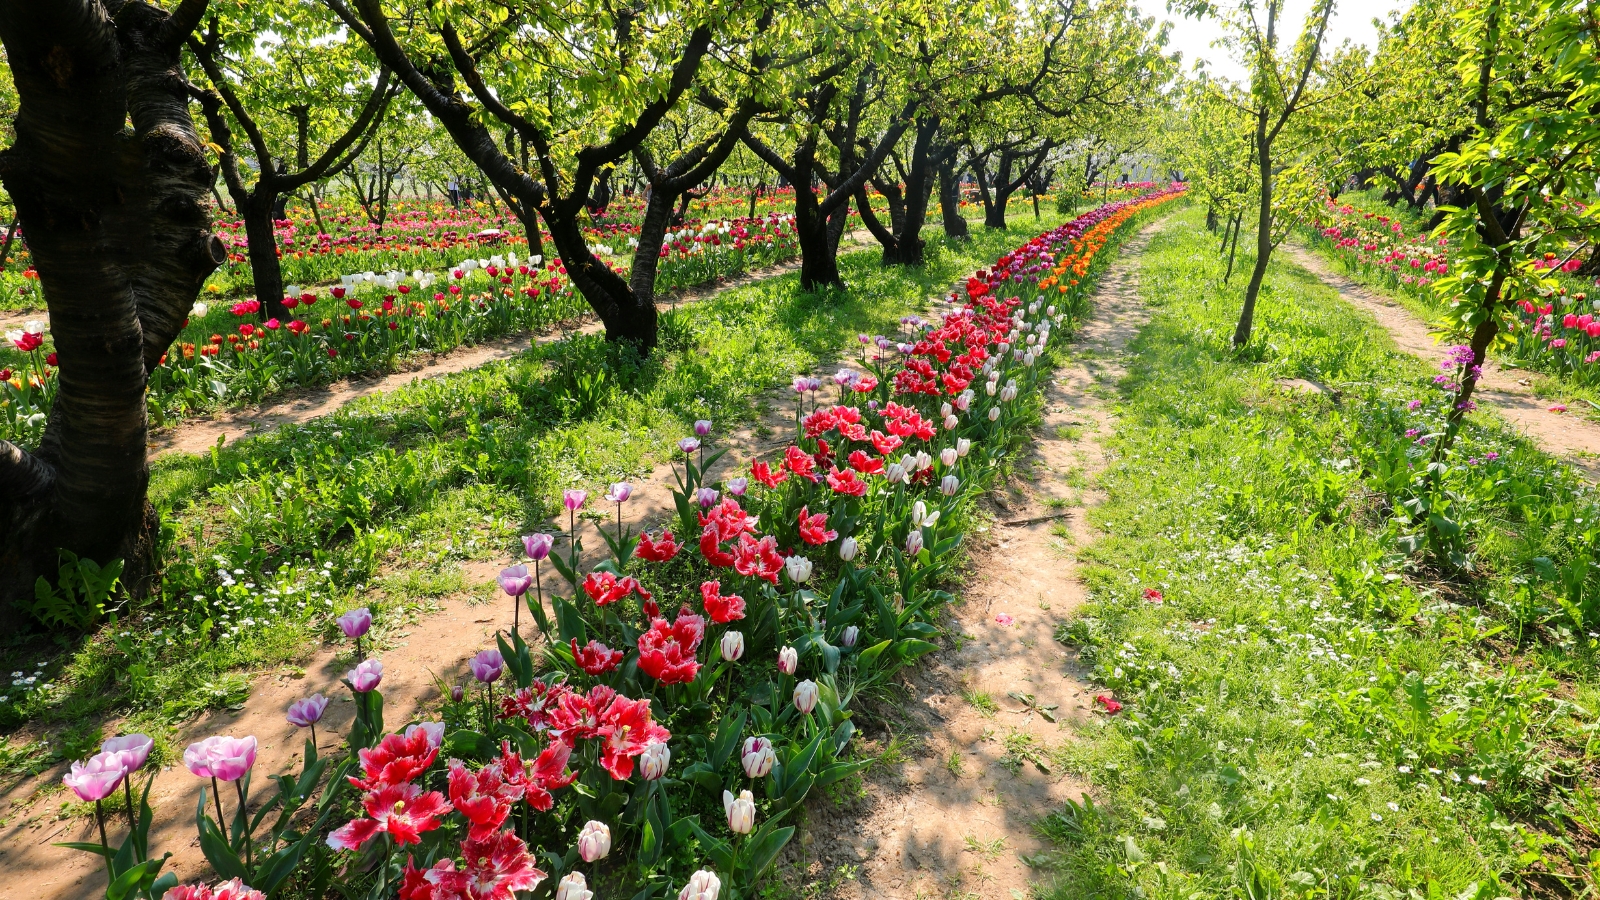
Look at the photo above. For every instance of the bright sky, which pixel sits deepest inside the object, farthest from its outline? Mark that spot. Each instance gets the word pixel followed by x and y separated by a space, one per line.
pixel 1352 20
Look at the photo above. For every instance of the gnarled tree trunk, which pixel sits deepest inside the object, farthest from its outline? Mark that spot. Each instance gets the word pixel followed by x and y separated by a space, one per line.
pixel 122 241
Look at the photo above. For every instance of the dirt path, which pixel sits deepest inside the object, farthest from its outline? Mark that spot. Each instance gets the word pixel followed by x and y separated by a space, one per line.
pixel 417 655
pixel 1504 390
pixel 967 771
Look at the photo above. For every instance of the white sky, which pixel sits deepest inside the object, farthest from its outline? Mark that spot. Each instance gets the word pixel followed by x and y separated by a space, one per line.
pixel 1352 19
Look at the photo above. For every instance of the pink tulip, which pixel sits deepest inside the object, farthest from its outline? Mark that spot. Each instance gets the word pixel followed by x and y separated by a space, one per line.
pixel 515 581
pixel 487 666
pixel 366 676
pixel 788 660
pixel 97 777
pixel 356 623
pixel 573 498
pixel 220 757
pixel 702 427
pixel 805 696
pixel 434 731
pixel 132 749
pixel 538 545
pixel 620 492
pixel 307 712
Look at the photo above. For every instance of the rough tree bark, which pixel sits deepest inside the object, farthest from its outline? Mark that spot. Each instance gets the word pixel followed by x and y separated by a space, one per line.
pixel 110 182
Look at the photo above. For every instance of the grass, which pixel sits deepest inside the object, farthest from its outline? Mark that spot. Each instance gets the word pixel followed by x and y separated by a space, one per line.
pixel 1314 710
pixel 380 503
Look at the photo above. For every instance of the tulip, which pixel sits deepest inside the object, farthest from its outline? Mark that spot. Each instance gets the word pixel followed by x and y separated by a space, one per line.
pixel 948 485
pixel 994 413
pixel 948 456
pixel 849 636
pixel 457 693
pixel 573 887
pixel 706 497
pixel 515 580
pixel 924 460
pixel 487 666
pixel 945 409
pixel 222 758
pixel 799 568
pixel 919 514
pixel 733 646
pixel 537 546
pixel 97 777
pixel 131 749
pixel 805 696
pixel 356 623
pixel 307 713
pixel 594 841
pixel 914 542
pixel 788 660
pixel 847 549
pixel 573 498
pixel 703 885
pixel 654 760
pixel 620 492
pixel 738 486
pixel 950 422
pixel 741 811
pixel 757 757
pixel 962 446
pixel 688 445
pixel 366 676
pixel 702 427
pixel 895 473
pixel 434 731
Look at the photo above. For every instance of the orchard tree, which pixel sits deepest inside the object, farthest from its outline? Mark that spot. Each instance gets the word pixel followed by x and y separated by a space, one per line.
pixel 546 102
pixel 286 96
pixel 1282 84
pixel 111 184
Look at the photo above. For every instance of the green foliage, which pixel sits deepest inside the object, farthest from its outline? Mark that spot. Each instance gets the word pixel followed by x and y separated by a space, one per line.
pixel 82 593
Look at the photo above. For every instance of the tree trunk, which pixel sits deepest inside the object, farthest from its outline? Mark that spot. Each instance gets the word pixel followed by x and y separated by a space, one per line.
pixel 908 243
pixel 266 269
pixel 1247 315
pixel 627 319
pixel 819 266
pixel 955 225
pixel 117 223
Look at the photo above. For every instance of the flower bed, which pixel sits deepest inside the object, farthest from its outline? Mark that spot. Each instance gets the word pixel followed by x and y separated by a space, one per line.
pixel 226 354
pixel 672 706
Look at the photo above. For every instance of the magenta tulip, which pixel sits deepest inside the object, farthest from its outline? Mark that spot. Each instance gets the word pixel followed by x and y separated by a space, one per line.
pixel 132 749
pixel 487 666
pixel 366 676
pixel 97 777
pixel 538 545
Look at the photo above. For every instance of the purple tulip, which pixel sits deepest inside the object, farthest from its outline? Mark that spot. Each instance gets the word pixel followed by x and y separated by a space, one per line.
pixel 220 757
pixel 307 712
pixel 95 778
pixel 132 749
pixel 706 497
pixel 702 427
pixel 457 692
pixel 737 486
pixel 365 677
pixel 538 545
pixel 572 498
pixel 356 623
pixel 689 446
pixel 487 666
pixel 515 581
pixel 620 492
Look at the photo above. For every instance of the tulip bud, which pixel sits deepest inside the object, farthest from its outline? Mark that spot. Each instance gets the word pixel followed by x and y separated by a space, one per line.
pixel 950 422
pixel 788 660
pixel 994 413
pixel 989 388
pixel 487 666
pixel 594 841
pixel 738 486
pixel 919 514
pixel 688 445
pixel 805 696
pixel 457 692
pixel 945 409
pixel 895 472
pixel 962 446
pixel 848 637
pixel 654 760
pixel 538 545
pixel 706 497
pixel 703 885
pixel 948 485
pixel 757 757
pixel 947 456
pixel 572 498
pixel 702 427
pixel 573 887
pixel 847 549
pixel 366 676
pixel 733 646
pixel 741 811
pixel 924 460
pixel 914 542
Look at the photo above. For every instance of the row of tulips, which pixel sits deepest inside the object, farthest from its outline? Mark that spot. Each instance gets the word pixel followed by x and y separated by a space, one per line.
pixel 370 321
pixel 1556 334
pixel 684 738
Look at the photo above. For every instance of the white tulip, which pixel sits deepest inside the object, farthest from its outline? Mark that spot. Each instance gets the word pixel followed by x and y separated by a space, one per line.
pixel 948 485
pixel 962 446
pixel 594 841
pixel 654 760
pixel 994 413
pixel 788 660
pixel 733 646
pixel 573 887
pixel 805 696
pixel 799 568
pixel 741 810
pixel 914 542
pixel 847 549
pixel 703 885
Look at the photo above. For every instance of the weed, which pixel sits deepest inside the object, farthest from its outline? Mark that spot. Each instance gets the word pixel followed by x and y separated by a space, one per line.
pixel 980 701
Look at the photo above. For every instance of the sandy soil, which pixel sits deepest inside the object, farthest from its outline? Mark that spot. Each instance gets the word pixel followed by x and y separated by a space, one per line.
pixel 951 814
pixel 1503 390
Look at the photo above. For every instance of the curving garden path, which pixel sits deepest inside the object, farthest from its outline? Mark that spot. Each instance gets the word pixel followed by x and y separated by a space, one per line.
pixel 1575 439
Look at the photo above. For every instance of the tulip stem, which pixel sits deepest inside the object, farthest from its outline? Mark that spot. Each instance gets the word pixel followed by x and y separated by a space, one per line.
pixel 313 736
pixel 244 815
pixel 216 794
pixel 127 794
pixel 100 819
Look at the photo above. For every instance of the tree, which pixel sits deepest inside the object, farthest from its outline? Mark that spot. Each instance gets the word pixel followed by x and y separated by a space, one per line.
pixel 279 73
pixel 111 180
pixel 553 100
pixel 1281 85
